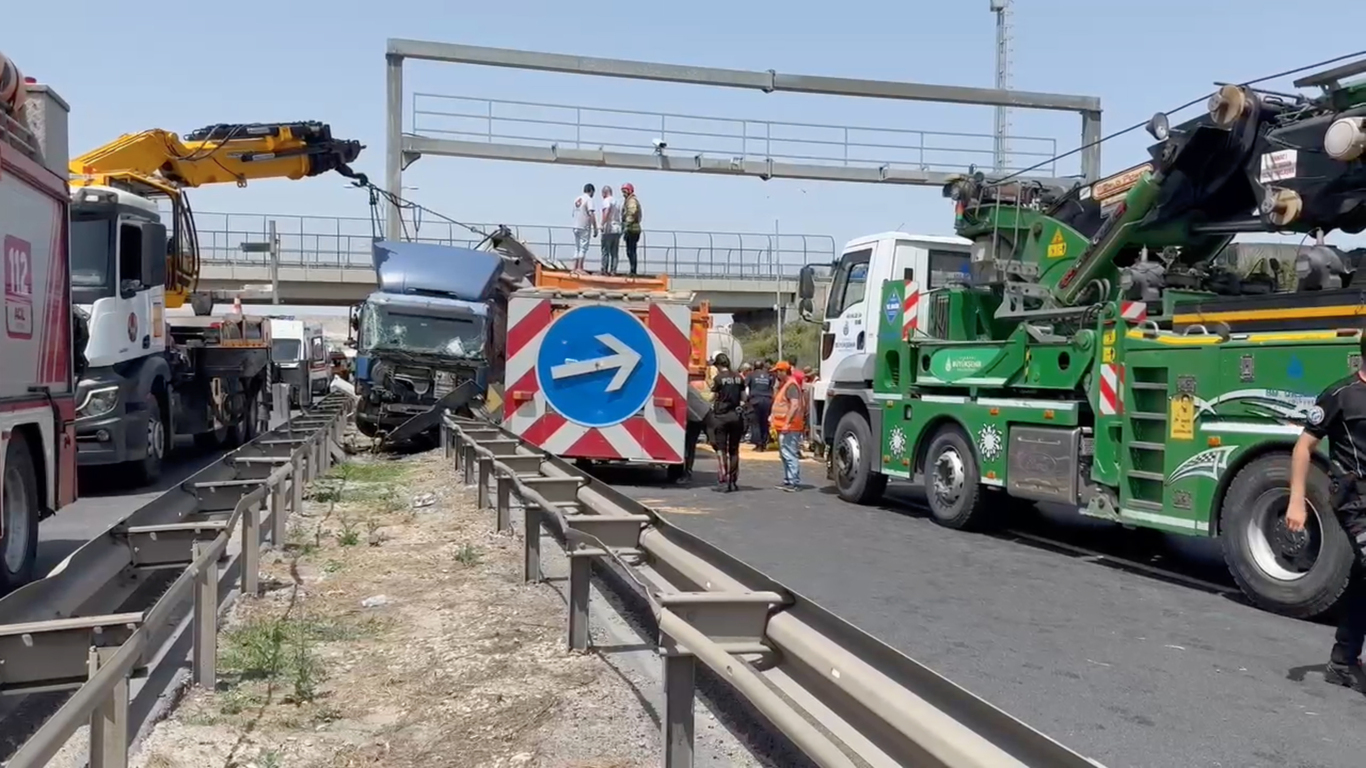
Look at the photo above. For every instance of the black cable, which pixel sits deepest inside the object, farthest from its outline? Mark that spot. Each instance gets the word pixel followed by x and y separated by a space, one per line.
pixel 1190 103
pixel 403 204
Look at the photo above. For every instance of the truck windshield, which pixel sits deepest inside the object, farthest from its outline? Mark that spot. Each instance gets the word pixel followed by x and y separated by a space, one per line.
pixel 851 278
pixel 92 259
pixel 454 336
pixel 285 350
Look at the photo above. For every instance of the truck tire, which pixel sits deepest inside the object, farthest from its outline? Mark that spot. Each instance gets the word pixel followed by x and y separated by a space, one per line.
pixel 1302 576
pixel 21 506
pixel 851 461
pixel 953 482
pixel 148 470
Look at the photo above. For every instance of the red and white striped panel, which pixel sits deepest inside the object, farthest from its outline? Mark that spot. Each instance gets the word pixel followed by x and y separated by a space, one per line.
pixel 1133 311
pixel 910 310
pixel 655 434
pixel 1111 399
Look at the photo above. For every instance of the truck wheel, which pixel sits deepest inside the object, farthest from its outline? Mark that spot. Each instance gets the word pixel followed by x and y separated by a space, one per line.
pixel 953 483
pixel 19 528
pixel 852 461
pixel 149 469
pixel 674 472
pixel 1302 575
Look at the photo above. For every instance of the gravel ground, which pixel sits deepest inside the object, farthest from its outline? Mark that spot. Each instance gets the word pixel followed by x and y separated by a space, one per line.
pixel 395 630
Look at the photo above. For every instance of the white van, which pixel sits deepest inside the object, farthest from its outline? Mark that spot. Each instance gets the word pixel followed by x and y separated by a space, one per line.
pixel 300 355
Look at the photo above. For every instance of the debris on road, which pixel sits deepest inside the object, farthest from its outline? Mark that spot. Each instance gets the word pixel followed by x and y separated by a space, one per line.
pixel 385 637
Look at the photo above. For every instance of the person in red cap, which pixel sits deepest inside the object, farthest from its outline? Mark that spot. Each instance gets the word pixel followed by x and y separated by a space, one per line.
pixel 630 223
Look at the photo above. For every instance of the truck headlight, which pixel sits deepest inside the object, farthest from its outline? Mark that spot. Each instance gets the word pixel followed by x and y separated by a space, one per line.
pixel 98 402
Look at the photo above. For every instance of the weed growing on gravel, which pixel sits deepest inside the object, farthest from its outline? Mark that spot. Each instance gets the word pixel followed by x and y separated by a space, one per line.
pixel 467 555
pixel 275 651
pixel 348 536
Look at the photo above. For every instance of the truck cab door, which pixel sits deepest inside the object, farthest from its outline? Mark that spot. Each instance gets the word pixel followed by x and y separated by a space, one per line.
pixel 141 285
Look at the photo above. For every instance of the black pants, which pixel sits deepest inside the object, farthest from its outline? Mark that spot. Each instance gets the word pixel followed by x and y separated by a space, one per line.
pixel 762 410
pixel 632 246
pixel 1349 501
pixel 690 436
pixel 727 434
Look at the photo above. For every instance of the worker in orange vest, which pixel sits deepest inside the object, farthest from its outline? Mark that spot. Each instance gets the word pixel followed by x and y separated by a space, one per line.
pixel 789 421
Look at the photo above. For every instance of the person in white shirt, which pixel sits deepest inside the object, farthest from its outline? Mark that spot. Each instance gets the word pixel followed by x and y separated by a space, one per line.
pixel 585 226
pixel 610 211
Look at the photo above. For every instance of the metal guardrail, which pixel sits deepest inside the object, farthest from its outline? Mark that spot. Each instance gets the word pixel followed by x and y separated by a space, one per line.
pixel 468 118
pixel 333 241
pixel 57 633
pixel 839 695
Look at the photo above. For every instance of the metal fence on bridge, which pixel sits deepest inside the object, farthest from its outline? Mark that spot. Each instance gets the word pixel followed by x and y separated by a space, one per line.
pixel 851 146
pixel 331 241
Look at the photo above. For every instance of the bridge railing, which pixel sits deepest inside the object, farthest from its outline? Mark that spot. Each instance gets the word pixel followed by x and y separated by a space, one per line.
pixel 532 123
pixel 332 241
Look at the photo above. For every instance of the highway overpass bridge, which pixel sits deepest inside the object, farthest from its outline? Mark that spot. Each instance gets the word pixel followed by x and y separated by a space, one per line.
pixel 326 260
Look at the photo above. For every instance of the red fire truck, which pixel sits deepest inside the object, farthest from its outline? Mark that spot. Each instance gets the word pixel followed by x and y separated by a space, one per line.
pixel 37 397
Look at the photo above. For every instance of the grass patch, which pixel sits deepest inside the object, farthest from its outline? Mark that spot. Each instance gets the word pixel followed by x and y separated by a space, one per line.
pixel 467 555
pixel 370 472
pixel 281 652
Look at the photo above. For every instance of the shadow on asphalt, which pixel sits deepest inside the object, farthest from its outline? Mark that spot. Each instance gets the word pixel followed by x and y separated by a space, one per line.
pixel 101 482
pixel 1186 561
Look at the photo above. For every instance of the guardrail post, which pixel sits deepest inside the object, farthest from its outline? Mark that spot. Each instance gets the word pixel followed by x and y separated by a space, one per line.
pixel 485 475
pixel 469 462
pixel 278 521
pixel 205 620
pixel 531 520
pixel 296 485
pixel 580 571
pixel 680 684
pixel 457 451
pixel 251 548
pixel 504 502
pixel 447 434
pixel 109 721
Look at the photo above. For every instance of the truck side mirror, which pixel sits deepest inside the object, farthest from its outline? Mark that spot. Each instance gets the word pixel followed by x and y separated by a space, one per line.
pixel 806 284
pixel 806 310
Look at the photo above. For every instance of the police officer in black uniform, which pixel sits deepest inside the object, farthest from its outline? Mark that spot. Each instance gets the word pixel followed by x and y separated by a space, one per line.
pixel 728 425
pixel 1339 414
pixel 761 386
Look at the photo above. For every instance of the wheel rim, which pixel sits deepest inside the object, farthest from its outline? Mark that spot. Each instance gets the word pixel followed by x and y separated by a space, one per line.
pixel 949 476
pixel 16 519
pixel 848 455
pixel 156 435
pixel 1282 554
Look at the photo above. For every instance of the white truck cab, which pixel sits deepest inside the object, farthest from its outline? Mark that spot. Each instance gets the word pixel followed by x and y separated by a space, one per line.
pixel 853 313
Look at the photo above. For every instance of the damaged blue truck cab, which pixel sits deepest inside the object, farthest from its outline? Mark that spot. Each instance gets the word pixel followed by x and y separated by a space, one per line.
pixel 425 339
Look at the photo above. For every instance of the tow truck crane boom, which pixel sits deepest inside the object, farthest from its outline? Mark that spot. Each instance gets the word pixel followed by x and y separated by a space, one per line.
pixel 158 164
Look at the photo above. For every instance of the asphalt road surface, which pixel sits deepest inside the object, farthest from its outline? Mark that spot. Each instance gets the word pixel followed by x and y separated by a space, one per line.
pixel 1135 667
pixel 105 499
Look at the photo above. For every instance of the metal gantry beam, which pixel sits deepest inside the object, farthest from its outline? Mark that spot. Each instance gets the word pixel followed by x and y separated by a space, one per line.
pixel 402 149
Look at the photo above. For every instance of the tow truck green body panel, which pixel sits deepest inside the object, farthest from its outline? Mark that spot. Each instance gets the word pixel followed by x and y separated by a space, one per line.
pixel 1104 353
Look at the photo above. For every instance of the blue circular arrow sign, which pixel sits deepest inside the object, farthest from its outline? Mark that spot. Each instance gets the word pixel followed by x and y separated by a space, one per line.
pixel 597 365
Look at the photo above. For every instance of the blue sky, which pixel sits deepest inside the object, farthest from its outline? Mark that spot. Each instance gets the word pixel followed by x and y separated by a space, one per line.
pixel 206 63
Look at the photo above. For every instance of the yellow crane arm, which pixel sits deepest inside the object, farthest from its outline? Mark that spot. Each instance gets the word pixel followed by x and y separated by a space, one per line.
pixel 217 154
pixel 159 164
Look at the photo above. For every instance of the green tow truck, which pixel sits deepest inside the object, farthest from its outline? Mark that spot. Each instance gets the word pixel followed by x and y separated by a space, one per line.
pixel 1103 354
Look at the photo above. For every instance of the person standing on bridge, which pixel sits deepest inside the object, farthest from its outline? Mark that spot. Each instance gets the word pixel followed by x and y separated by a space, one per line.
pixel 585 226
pixel 630 223
pixel 789 419
pixel 1339 414
pixel 611 231
pixel 728 427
